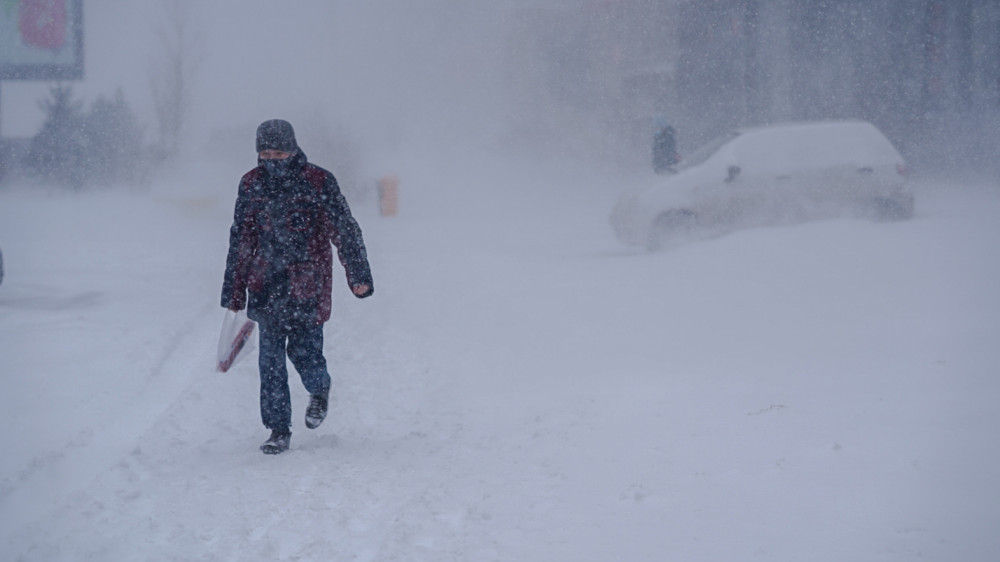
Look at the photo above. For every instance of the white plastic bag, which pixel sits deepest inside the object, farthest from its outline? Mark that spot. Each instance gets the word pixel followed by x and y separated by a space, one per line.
pixel 236 340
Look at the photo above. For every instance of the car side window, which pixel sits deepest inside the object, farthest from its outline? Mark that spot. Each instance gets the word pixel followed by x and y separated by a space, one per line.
pixel 706 151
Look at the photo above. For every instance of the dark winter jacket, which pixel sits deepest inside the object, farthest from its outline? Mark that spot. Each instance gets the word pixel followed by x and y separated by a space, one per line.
pixel 279 245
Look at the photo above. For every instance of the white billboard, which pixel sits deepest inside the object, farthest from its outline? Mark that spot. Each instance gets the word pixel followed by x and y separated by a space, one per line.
pixel 41 39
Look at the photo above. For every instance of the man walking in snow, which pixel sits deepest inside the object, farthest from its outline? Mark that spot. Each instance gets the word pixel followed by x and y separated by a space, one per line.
pixel 288 212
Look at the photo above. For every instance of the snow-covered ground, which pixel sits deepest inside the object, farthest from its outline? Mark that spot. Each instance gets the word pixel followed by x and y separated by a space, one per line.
pixel 520 387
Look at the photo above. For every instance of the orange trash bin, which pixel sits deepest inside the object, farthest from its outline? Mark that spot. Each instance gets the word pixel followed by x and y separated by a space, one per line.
pixel 388 195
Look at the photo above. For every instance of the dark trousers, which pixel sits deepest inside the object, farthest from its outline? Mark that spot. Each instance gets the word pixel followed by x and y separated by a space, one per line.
pixel 305 349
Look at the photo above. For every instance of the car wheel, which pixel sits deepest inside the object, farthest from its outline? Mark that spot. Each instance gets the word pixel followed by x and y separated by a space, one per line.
pixel 896 207
pixel 669 227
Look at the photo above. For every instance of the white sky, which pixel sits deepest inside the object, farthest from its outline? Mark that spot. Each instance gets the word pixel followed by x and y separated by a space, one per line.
pixel 380 66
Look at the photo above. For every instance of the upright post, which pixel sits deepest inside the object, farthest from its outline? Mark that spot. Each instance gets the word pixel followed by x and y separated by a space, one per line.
pixel 4 164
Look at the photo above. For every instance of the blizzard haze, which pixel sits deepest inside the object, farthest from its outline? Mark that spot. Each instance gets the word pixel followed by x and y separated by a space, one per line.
pixel 388 74
pixel 391 71
pixel 581 78
pixel 520 386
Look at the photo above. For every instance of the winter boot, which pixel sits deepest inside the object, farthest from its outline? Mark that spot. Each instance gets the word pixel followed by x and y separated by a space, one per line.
pixel 316 412
pixel 278 443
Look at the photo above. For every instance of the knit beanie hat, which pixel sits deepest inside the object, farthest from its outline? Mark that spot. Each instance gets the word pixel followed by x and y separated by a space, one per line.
pixel 276 134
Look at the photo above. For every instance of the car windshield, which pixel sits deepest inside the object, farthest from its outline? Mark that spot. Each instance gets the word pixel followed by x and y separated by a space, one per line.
pixel 705 151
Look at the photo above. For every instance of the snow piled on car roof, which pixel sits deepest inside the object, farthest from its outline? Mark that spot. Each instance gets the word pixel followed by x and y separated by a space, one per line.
pixel 792 146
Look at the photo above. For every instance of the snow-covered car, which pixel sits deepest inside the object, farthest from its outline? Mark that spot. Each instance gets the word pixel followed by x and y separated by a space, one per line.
pixel 778 174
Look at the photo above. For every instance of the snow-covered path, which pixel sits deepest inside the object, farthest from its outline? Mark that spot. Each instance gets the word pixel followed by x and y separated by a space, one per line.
pixel 519 388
